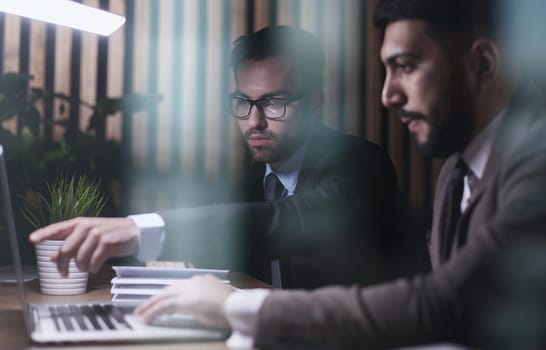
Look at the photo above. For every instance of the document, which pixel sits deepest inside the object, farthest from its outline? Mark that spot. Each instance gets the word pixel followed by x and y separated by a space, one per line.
pixel 138 283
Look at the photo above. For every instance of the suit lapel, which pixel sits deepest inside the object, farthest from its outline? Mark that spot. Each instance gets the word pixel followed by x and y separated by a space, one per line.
pixel 490 171
pixel 314 149
pixel 437 238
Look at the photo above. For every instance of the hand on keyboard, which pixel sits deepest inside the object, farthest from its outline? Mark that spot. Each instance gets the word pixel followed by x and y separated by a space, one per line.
pixel 202 297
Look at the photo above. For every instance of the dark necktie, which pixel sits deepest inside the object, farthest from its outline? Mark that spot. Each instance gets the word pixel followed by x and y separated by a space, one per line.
pixel 452 207
pixel 274 189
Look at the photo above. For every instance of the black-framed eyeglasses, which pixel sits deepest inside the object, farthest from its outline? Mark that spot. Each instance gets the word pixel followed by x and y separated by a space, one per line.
pixel 269 107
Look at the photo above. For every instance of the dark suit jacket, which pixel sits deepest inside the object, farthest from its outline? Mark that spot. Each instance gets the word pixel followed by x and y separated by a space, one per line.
pixel 507 210
pixel 340 226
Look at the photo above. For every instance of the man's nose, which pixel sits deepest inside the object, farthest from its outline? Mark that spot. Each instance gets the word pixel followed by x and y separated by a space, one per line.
pixel 392 95
pixel 256 118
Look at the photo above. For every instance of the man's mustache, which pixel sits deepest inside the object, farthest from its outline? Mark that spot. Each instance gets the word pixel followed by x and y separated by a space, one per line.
pixel 254 133
pixel 400 113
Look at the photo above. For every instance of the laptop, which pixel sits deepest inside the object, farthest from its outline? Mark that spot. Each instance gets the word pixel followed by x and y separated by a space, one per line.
pixel 94 321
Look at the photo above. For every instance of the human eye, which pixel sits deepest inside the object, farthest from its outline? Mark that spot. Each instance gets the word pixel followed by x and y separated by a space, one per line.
pixel 240 106
pixel 404 66
pixel 274 102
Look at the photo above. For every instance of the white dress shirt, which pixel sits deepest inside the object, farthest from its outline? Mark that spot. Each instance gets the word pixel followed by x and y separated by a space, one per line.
pixel 289 172
pixel 242 306
pixel 477 153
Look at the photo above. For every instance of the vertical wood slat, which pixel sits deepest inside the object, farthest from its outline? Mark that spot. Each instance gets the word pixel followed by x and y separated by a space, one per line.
pixel 141 45
pixel 49 80
pixel 201 87
pixel 178 97
pixel 341 63
pixel 24 54
pixel 214 111
pixel 37 60
pixel 150 194
pixel 12 35
pixel 88 71
pixel 24 45
pixel 284 15
pixel 235 145
pixel 250 16
pixel 374 79
pixel 115 73
pixel 138 132
pixel 62 76
pixel 126 176
pixel 11 38
pixel 102 74
pixel 353 66
pixel 261 14
pixel 225 122
pixel 333 54
pixel 75 78
pixel 185 59
pixel 189 92
pixel 165 63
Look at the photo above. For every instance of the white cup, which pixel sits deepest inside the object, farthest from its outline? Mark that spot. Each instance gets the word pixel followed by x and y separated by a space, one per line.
pixel 51 281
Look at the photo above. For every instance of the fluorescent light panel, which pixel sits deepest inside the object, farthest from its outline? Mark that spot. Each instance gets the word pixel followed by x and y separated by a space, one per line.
pixel 65 13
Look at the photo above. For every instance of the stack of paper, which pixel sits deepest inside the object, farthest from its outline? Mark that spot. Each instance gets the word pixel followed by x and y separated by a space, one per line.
pixel 136 283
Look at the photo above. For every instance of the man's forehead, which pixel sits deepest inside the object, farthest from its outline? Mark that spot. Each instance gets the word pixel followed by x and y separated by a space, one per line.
pixel 406 36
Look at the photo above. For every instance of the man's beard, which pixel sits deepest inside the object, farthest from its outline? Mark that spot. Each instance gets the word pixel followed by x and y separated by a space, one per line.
pixel 451 121
pixel 280 149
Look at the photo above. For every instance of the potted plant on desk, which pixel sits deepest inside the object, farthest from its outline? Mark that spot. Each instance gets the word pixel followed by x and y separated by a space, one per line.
pixel 68 197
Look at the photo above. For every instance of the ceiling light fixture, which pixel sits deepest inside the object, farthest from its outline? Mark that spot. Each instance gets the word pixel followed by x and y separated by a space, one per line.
pixel 65 13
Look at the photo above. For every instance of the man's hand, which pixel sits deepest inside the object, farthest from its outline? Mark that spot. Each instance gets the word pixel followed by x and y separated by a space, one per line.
pixel 203 297
pixel 90 241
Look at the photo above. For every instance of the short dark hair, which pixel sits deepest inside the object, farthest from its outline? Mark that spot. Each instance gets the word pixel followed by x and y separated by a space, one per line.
pixel 298 45
pixel 470 17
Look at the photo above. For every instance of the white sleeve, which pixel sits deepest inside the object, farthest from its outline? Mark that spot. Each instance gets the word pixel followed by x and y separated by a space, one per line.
pixel 242 309
pixel 152 235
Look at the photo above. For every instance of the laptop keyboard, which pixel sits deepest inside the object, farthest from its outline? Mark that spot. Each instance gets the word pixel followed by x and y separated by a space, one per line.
pixel 94 317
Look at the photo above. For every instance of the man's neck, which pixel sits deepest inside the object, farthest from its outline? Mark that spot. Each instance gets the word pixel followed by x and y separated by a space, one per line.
pixel 490 104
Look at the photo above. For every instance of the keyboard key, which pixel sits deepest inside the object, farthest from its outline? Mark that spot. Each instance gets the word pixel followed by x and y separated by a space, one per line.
pixel 88 312
pixel 78 315
pixel 65 317
pixel 104 316
pixel 55 316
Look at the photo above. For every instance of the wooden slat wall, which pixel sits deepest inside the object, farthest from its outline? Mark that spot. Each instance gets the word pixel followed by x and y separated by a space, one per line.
pixel 179 49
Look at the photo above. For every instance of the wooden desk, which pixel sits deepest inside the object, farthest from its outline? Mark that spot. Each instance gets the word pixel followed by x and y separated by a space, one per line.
pixel 12 328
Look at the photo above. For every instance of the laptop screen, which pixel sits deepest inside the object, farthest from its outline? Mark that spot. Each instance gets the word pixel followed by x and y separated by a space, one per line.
pixel 8 227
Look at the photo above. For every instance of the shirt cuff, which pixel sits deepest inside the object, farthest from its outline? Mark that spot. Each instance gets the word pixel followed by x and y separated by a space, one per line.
pixel 152 235
pixel 242 309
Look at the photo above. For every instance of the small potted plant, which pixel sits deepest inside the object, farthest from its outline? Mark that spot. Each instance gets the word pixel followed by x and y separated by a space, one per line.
pixel 67 197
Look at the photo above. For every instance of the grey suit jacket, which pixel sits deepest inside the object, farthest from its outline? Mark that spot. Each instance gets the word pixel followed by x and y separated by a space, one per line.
pixel 449 304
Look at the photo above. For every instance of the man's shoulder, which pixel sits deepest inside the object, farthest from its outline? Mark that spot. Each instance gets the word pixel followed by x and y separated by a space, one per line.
pixel 336 143
pixel 523 130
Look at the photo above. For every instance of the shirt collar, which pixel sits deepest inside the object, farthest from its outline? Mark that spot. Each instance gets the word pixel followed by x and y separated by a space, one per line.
pixel 288 173
pixel 478 151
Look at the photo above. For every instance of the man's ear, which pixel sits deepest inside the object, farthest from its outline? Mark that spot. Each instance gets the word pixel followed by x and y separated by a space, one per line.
pixel 484 61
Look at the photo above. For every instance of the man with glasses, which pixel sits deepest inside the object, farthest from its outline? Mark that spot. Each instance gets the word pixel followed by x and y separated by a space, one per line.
pixel 323 209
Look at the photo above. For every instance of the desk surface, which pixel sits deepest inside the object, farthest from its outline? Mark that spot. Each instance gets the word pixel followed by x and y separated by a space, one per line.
pixel 12 329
